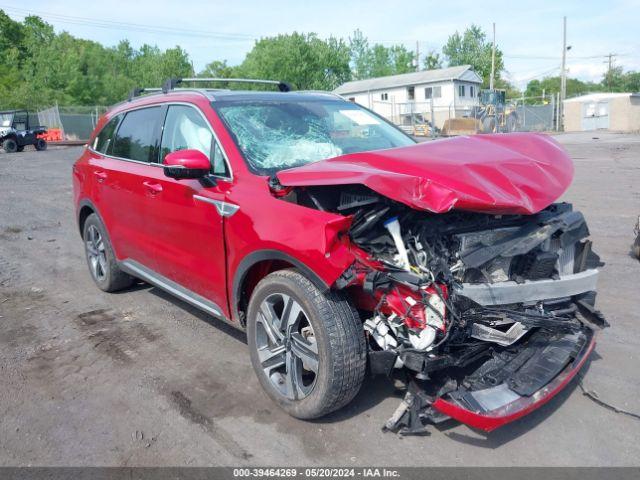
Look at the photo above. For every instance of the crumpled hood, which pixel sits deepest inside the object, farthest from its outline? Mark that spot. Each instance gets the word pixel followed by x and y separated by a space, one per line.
pixel 517 173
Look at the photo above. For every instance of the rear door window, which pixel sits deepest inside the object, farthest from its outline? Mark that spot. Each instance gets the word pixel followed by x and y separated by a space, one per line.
pixel 137 135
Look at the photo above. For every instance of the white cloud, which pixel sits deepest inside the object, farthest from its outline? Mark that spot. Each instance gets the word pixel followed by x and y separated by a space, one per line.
pixel 591 72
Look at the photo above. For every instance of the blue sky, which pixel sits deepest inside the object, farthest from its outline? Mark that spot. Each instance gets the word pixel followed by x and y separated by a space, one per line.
pixel 529 33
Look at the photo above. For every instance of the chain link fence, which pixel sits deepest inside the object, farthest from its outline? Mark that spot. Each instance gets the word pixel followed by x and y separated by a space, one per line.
pixel 524 114
pixel 536 114
pixel 418 118
pixel 75 123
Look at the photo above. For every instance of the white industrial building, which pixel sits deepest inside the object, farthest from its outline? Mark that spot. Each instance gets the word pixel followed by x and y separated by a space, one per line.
pixel 608 111
pixel 448 92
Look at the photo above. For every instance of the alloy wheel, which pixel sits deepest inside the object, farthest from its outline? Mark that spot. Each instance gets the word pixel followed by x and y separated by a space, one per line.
pixel 96 253
pixel 287 347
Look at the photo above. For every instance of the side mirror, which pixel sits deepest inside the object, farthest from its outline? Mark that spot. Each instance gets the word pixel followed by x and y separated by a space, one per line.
pixel 186 164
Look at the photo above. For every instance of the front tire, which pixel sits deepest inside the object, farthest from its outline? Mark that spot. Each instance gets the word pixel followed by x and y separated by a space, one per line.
pixel 10 145
pixel 307 347
pixel 102 262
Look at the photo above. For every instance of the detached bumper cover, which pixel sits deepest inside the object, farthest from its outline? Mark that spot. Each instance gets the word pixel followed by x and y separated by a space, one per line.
pixel 517 406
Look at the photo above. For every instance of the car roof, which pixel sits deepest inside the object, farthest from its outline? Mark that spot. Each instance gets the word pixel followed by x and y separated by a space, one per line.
pixel 219 95
pixel 244 95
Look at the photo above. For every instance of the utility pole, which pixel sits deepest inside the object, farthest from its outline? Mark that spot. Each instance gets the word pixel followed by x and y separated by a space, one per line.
pixel 563 73
pixel 610 69
pixel 493 58
pixel 417 56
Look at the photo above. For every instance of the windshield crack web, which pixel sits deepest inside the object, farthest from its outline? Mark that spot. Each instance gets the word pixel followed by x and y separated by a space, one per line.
pixel 277 135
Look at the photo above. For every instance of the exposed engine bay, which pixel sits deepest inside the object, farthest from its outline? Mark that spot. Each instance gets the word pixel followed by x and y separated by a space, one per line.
pixel 477 312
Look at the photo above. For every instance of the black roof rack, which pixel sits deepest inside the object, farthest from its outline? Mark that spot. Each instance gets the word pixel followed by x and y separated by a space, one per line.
pixel 172 83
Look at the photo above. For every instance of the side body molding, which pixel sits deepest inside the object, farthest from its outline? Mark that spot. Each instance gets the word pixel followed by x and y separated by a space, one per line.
pixel 140 271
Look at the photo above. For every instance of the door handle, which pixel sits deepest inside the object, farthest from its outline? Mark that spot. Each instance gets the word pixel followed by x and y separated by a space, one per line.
pixel 100 175
pixel 153 187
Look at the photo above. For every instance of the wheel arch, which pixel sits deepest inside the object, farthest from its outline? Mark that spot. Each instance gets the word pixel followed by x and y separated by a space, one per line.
pixel 9 136
pixel 85 208
pixel 254 267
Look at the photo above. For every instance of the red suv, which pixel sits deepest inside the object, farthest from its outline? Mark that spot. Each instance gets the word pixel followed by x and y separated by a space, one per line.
pixel 340 245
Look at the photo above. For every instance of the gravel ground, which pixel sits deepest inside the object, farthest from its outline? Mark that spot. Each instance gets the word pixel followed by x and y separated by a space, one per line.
pixel 139 378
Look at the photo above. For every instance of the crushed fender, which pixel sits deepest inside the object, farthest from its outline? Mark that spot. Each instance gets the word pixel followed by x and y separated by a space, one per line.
pixel 488 309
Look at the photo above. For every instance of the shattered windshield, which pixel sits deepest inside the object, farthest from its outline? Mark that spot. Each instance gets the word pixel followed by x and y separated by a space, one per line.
pixel 275 135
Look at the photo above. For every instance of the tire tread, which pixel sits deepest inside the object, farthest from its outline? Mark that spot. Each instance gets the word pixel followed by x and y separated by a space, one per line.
pixel 345 334
pixel 117 279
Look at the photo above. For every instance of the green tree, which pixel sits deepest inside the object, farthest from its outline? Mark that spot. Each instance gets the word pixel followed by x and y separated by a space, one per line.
pixel 304 60
pixel 472 48
pixel 12 55
pixel 360 56
pixel 401 59
pixel 432 61
pixel 510 90
pixel 376 60
pixel 151 67
pixel 551 86
pixel 631 82
pixel 218 69
pixel 39 67
pixel 380 62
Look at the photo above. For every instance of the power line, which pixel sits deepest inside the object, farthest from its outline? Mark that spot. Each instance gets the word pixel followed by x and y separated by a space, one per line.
pixel 536 57
pixel 145 28
pixel 227 36
pixel 540 75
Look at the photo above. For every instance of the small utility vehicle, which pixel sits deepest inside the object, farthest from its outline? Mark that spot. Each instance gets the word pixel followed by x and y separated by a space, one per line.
pixel 15 132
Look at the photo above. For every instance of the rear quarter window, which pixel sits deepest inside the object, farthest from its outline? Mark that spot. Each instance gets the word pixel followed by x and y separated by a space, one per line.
pixel 104 139
pixel 136 137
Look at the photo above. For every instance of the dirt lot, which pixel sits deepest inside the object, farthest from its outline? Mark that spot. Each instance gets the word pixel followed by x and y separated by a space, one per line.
pixel 138 378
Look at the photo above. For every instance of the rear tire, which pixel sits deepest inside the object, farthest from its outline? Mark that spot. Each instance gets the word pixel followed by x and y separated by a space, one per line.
pixel 311 362
pixel 10 145
pixel 102 262
pixel 40 144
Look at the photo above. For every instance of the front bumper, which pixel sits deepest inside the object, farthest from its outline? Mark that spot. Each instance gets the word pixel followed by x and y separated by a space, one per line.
pixel 516 408
pixel 504 293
